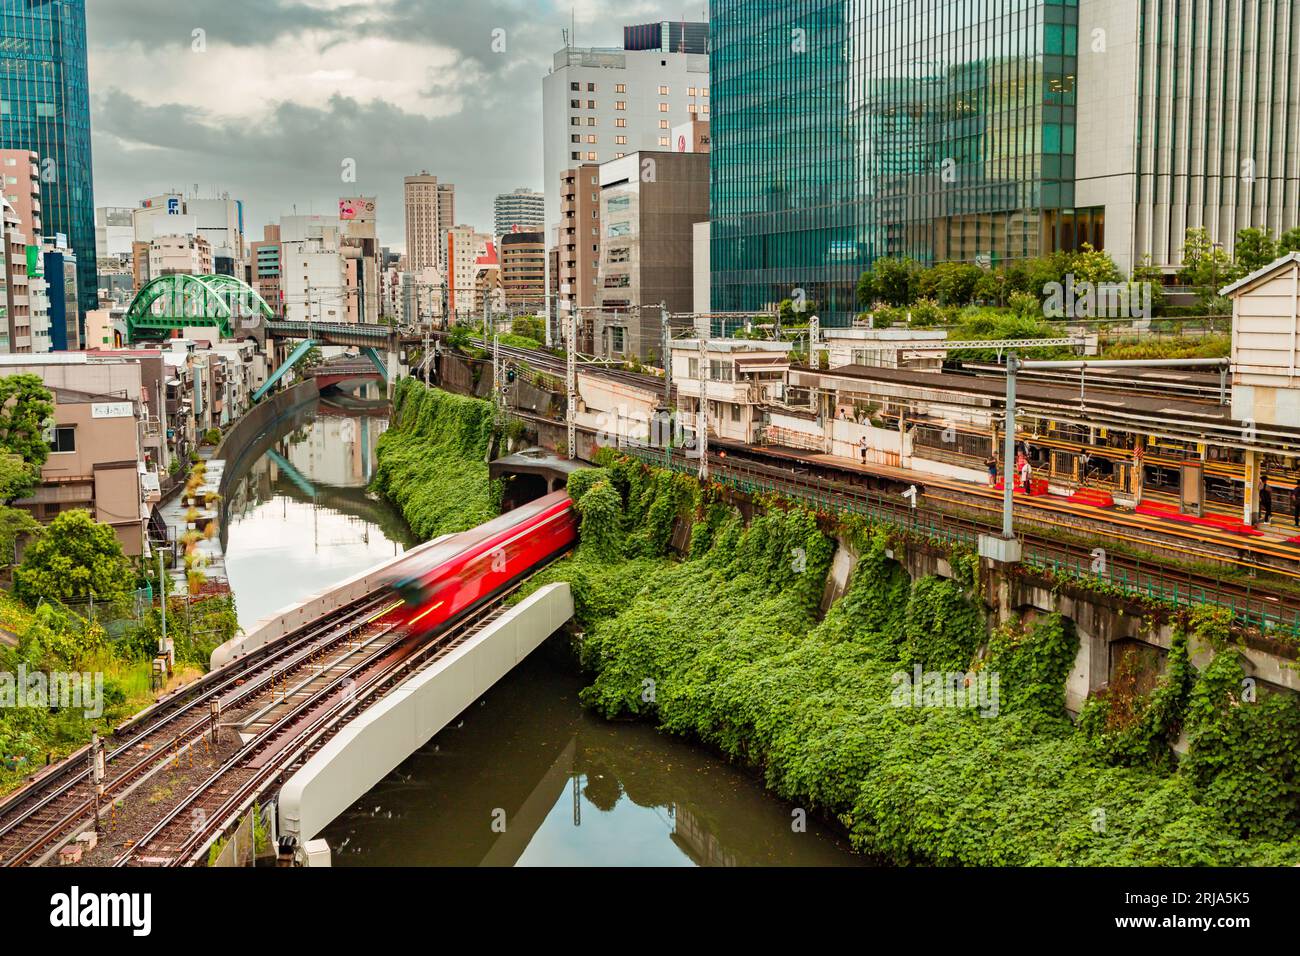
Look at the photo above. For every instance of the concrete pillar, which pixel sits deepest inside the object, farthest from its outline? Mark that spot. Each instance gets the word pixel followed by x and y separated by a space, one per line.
pixel 394 366
pixel 1250 496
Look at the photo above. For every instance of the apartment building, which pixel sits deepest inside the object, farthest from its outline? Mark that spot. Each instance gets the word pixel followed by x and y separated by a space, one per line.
pixel 523 271
pixel 430 212
pixel 576 252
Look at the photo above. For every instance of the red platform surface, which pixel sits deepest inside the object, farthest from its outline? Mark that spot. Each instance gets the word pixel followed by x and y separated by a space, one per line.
pixel 1153 509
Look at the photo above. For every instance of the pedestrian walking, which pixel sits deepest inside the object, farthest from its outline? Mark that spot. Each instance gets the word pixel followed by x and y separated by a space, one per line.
pixel 991 463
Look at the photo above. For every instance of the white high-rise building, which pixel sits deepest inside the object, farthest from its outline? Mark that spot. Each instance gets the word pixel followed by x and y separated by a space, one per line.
pixel 312 279
pixel 600 104
pixel 520 211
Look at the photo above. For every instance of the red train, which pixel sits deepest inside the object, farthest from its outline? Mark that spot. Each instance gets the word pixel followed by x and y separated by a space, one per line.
pixel 452 577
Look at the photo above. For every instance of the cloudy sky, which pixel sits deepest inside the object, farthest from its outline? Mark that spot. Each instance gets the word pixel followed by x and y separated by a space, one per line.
pixel 271 98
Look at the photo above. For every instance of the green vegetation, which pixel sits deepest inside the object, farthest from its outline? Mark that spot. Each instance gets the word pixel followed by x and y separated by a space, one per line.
pixel 74 560
pixel 119 647
pixel 1182 346
pixel 25 406
pixel 432 462
pixel 728 647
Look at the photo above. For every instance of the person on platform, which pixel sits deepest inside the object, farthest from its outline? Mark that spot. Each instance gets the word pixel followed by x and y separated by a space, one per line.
pixel 862 449
pixel 1026 477
pixel 1265 500
pixel 991 463
pixel 1295 503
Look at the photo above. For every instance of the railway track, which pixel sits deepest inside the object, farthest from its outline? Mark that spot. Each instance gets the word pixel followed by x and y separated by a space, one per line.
pixel 184 834
pixel 1256 604
pixel 37 819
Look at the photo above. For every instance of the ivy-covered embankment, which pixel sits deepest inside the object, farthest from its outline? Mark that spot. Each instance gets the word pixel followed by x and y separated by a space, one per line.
pixel 728 647
pixel 432 461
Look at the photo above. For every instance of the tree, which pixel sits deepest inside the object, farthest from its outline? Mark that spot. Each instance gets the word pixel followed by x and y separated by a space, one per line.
pixel 1289 241
pixel 1205 265
pixel 1255 249
pixel 74 559
pixel 25 404
pixel 955 282
pixel 14 523
pixel 895 281
pixel 992 288
pixel 1094 265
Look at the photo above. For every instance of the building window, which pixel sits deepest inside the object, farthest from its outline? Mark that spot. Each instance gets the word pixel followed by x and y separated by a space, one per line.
pixel 591 157
pixel 663 91
pixel 620 88
pixel 575 87
pixel 620 140
pixel 620 123
pixel 616 338
pixel 690 107
pixel 663 124
pixel 591 121
pixel 690 91
pixel 591 104
pixel 575 156
pixel 575 104
pixel 575 121
pixel 575 138
pixel 663 107
pixel 65 439
pixel 693 368
pixel 620 104
pixel 591 139
pixel 663 140
pixel 735 413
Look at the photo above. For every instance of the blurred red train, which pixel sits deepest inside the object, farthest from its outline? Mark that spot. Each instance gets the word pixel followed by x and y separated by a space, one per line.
pixel 457 575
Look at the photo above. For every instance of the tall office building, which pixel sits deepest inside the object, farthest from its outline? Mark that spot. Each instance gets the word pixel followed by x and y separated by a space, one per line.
pixel 45 107
pixel 603 103
pixel 520 211
pixel 848 130
pixel 430 212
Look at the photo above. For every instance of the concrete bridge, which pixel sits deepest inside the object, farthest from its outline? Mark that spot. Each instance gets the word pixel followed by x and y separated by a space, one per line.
pixel 318 780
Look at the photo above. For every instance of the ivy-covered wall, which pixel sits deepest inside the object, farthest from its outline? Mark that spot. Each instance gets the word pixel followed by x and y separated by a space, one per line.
pixel 727 647
pixel 432 461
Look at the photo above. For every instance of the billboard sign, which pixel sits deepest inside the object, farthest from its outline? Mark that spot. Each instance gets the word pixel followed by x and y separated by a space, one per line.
pixel 358 209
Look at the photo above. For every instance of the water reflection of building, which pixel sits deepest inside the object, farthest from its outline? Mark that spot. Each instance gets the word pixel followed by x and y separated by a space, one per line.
pixel 337 451
pixel 698 841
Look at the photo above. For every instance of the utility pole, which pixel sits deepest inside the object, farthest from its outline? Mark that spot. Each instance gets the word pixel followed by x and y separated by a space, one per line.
pixel 1009 448
pixel 668 384
pixel 702 441
pixel 571 378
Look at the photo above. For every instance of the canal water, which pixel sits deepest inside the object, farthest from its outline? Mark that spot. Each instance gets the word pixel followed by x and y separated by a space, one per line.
pixel 527 777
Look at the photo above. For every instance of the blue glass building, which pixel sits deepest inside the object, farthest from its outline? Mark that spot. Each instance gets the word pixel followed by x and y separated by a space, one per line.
pixel 45 106
pixel 848 130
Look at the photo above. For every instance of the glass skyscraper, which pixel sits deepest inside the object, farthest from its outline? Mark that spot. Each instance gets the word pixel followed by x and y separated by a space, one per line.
pixel 45 106
pixel 848 130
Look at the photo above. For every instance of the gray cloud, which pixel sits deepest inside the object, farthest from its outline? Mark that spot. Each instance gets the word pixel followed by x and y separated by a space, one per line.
pixel 276 154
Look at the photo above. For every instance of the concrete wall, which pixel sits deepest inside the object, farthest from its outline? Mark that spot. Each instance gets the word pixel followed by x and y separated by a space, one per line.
pixel 377 741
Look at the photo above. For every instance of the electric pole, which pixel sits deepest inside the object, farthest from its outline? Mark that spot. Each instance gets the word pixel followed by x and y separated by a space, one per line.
pixel 571 380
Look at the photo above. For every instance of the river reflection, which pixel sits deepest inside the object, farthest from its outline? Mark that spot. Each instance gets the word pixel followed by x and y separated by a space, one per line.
pixel 573 790
pixel 299 519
